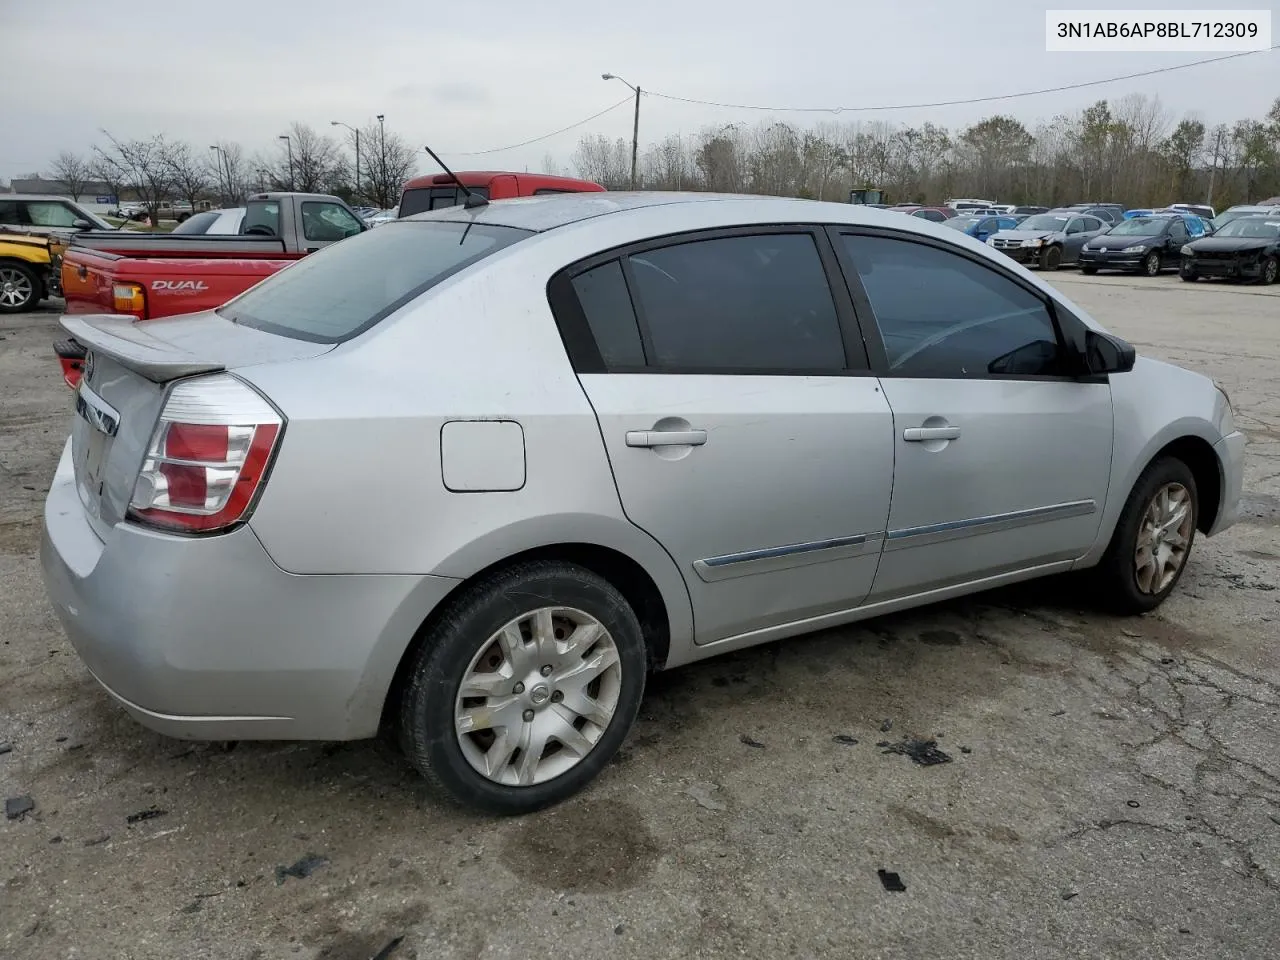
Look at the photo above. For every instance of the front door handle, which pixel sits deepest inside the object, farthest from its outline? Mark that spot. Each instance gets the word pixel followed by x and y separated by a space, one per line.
pixel 919 434
pixel 662 438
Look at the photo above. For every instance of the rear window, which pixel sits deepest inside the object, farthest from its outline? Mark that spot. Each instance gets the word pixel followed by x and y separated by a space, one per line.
pixel 422 199
pixel 345 289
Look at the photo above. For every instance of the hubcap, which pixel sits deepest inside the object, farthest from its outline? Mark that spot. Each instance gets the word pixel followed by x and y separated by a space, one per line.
pixel 538 696
pixel 15 288
pixel 1271 269
pixel 1153 265
pixel 1163 538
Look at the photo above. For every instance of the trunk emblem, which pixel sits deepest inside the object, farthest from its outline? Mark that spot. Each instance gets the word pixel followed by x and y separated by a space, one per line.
pixel 96 411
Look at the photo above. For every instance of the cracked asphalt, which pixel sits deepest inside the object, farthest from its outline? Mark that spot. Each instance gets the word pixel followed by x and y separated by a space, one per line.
pixel 1113 787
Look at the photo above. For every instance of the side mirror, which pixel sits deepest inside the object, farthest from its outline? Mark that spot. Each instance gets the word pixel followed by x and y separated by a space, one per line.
pixel 81 224
pixel 1105 353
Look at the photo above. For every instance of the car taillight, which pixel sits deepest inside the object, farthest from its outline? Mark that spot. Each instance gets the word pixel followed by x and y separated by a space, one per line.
pixel 207 458
pixel 129 298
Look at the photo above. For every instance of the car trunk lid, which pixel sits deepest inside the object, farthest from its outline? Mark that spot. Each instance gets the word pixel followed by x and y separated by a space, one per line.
pixel 128 370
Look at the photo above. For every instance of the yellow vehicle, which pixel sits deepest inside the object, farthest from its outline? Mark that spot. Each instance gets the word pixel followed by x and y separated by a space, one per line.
pixel 30 270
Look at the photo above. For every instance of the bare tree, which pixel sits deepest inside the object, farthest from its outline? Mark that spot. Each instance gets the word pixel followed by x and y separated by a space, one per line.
pixel 607 162
pixel 389 161
pixel 237 172
pixel 305 162
pixel 73 171
pixel 191 174
pixel 140 166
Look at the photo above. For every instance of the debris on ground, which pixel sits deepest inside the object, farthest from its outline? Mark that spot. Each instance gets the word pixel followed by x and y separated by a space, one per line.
pixel 751 741
pixel 886 726
pixel 1131 633
pixel 5 748
pixel 17 807
pixel 844 738
pixel 148 814
pixel 1058 713
pixel 302 869
pixel 1133 803
pixel 923 752
pixel 703 795
pixel 94 841
pixel 891 881
pixel 1070 895
pixel 388 949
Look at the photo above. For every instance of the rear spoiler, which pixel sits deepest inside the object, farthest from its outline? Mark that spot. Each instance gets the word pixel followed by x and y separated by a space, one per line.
pixel 127 342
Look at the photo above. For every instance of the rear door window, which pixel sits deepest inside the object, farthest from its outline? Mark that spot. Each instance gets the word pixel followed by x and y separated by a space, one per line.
pixel 50 213
pixel 346 288
pixel 606 304
pixel 744 304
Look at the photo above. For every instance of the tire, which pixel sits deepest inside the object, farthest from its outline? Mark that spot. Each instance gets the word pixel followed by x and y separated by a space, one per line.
pixel 1188 275
pixel 486 636
pixel 1269 271
pixel 182 217
pixel 1127 585
pixel 20 287
pixel 1088 271
pixel 1151 264
pixel 1051 258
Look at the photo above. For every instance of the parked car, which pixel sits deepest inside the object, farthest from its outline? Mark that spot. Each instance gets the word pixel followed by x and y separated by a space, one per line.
pixel 212 223
pixel 934 214
pixel 1196 226
pixel 1144 245
pixel 961 204
pixel 1111 213
pixel 43 215
pixel 26 271
pixel 439 190
pixel 1029 210
pixel 382 216
pixel 1243 210
pixel 980 227
pixel 492 562
pixel 1050 239
pixel 1247 248
pixel 1139 212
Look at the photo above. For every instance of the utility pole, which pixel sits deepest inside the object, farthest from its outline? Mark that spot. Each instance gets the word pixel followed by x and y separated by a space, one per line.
pixel 217 164
pixel 289 143
pixel 356 131
pixel 383 197
pixel 635 125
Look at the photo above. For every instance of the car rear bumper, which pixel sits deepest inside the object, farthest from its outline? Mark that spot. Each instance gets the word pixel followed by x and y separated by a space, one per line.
pixel 207 639
pixel 1230 451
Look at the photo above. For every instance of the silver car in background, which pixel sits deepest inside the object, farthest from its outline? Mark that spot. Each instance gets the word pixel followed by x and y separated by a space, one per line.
pixel 476 473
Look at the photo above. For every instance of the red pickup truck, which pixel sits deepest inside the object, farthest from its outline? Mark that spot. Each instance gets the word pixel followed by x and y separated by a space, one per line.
pixel 149 275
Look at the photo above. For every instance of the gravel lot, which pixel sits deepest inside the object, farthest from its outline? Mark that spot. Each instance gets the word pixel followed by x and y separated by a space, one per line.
pixel 1114 787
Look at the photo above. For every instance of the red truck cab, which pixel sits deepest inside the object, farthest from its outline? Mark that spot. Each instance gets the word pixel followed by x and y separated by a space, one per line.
pixel 441 189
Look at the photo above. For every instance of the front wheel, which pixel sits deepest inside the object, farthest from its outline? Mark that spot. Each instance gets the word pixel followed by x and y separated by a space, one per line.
pixel 20 287
pixel 1088 271
pixel 1269 271
pixel 1151 264
pixel 1153 537
pixel 1051 258
pixel 524 688
pixel 1187 274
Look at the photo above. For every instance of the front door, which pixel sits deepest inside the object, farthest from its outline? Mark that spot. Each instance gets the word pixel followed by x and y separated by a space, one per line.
pixel 1001 460
pixel 743 435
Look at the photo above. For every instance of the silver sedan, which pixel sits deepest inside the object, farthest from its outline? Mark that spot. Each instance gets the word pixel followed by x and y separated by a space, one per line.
pixel 476 473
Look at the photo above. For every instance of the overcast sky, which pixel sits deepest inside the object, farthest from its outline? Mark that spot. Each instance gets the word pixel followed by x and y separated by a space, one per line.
pixel 468 77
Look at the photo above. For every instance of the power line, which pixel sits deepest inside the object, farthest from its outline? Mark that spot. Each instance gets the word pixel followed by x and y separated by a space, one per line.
pixel 957 103
pixel 545 136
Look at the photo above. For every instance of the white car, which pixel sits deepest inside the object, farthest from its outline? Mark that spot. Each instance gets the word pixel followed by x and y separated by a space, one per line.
pixel 383 216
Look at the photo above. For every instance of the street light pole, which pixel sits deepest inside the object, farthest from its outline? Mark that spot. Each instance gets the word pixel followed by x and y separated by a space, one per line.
pixel 339 123
pixel 289 143
pixel 635 125
pixel 217 164
pixel 384 199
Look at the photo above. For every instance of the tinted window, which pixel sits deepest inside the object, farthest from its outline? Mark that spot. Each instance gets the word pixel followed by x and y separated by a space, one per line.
pixel 262 219
pixel 326 220
pixel 1092 223
pixel 344 289
pixel 9 212
pixel 738 303
pixel 1178 230
pixel 199 223
pixel 942 315
pixel 933 215
pixel 421 199
pixel 602 293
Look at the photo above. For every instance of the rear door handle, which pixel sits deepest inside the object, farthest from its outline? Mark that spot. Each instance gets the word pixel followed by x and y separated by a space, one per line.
pixel 662 438
pixel 919 434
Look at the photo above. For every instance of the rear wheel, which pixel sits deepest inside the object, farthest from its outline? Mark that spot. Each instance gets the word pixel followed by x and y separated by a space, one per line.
pixel 525 688
pixel 1269 272
pixel 1152 541
pixel 1051 258
pixel 1151 264
pixel 20 287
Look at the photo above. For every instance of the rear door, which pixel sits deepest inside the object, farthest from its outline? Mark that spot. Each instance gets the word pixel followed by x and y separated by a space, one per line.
pixel 744 429
pixel 1002 458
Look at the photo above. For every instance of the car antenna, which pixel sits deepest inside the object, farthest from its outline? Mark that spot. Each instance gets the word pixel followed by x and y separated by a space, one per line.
pixel 473 199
